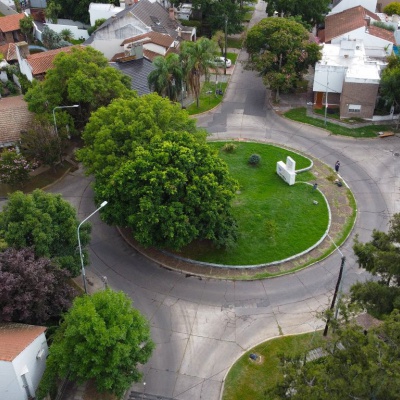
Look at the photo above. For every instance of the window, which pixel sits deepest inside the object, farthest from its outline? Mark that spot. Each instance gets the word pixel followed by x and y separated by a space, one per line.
pixel 355 108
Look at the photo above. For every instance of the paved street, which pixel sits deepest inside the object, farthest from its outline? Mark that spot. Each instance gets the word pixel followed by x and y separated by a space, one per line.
pixel 201 326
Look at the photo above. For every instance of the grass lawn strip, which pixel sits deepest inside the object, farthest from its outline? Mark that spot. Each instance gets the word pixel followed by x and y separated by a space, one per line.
pixel 299 114
pixel 276 221
pixel 248 380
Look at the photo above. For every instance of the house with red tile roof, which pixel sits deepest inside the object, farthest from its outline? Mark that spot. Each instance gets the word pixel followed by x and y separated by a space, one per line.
pixel 35 66
pixel 23 352
pixel 356 23
pixel 10 31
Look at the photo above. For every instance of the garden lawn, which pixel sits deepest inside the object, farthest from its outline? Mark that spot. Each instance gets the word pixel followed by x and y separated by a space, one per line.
pixel 299 114
pixel 208 98
pixel 247 380
pixel 275 220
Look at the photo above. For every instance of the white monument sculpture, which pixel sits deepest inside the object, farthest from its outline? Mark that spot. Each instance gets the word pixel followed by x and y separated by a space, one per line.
pixel 287 171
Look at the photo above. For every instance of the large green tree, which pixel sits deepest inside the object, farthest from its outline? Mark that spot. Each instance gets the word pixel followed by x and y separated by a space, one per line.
pixel 166 79
pixel 380 257
pixel 102 337
pixel 357 365
pixel 81 76
pixel 45 222
pixel 310 11
pixel 390 83
pixel 197 59
pixel 214 13
pixel 280 50
pixel 392 8
pixel 157 173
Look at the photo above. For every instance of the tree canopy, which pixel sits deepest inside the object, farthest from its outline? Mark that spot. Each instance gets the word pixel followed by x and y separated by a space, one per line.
pixel 32 290
pixel 380 257
pixel 357 365
pixel 392 8
pixel 102 337
pixel 45 222
pixel 157 173
pixel 81 76
pixel 310 11
pixel 390 82
pixel 280 50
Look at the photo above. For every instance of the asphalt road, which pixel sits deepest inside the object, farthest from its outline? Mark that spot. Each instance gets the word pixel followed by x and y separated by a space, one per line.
pixel 201 326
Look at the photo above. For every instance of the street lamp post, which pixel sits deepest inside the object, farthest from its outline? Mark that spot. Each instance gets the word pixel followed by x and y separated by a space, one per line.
pixel 79 243
pixel 226 33
pixel 54 114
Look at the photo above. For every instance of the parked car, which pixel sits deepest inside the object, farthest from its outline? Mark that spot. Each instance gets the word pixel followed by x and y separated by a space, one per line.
pixel 219 62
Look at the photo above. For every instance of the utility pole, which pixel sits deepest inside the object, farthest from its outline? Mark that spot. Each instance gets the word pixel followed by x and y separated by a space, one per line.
pixel 326 95
pixel 335 293
pixel 226 39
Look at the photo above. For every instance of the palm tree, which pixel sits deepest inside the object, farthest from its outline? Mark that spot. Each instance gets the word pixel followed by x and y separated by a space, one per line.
pixel 197 57
pixel 166 78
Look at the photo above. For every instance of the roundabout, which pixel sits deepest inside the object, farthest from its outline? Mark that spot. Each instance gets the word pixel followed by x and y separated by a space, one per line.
pixel 201 325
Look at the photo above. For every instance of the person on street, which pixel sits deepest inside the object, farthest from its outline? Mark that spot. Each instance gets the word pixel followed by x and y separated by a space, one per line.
pixel 337 165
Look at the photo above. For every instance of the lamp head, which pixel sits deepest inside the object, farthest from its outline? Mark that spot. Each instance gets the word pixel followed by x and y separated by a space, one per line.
pixel 104 203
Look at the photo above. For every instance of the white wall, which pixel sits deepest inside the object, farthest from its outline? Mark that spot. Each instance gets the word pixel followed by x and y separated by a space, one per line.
pixel 102 11
pixel 329 78
pixel 155 48
pixel 346 4
pixel 76 32
pixel 11 384
pixel 108 47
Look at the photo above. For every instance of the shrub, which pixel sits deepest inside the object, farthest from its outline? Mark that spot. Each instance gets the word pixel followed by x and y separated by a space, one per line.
pixel 392 8
pixel 382 25
pixel 229 147
pixel 254 159
pixel 14 168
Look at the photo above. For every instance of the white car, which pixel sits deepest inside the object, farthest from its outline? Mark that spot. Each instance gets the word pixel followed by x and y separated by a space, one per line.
pixel 219 62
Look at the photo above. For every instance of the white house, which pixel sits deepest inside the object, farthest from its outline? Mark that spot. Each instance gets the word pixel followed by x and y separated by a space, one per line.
pixel 136 20
pixel 23 352
pixel 346 78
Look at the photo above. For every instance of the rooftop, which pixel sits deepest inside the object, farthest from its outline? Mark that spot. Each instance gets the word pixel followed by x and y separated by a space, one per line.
pixel 15 117
pixel 10 23
pixel 42 62
pixel 347 21
pixel 14 338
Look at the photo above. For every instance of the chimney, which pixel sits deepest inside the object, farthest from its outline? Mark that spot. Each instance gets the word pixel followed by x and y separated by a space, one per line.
pixel 23 49
pixel 172 13
pixel 368 19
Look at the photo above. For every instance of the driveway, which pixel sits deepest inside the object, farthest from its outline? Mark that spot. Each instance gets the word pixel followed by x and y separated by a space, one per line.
pixel 201 326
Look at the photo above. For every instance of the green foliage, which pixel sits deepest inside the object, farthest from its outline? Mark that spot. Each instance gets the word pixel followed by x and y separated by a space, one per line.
pixel 53 10
pixel 47 223
pixel 254 159
pixel 82 77
pixel 197 59
pixel 382 25
pixel 102 337
pixel 25 83
pixel 390 82
pixel 380 257
pixel 26 26
pixel 181 190
pixel 281 52
pixel 356 366
pixel 96 25
pixel 310 11
pixel 392 8
pixel 229 147
pixel 67 35
pixel 167 77
pixel 213 15
pixel 14 168
pixel 52 40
